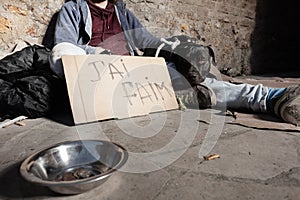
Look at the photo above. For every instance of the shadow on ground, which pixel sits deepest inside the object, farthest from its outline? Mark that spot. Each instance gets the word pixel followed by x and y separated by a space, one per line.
pixel 12 185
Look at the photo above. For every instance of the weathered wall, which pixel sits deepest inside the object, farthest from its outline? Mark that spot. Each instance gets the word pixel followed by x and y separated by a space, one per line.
pixel 24 20
pixel 226 25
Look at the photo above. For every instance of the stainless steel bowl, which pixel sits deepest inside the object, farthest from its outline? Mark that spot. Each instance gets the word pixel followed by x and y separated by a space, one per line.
pixel 74 167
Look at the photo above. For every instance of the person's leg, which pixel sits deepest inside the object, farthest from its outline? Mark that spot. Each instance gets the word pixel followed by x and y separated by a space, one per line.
pixel 239 96
pixel 287 104
pixel 196 96
pixel 284 102
pixel 58 51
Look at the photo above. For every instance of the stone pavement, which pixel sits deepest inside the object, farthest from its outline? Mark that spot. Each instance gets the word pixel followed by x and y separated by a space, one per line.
pixel 253 164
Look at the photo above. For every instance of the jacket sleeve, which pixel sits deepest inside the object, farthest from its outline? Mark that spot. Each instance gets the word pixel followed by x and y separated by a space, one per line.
pixel 141 37
pixel 67 28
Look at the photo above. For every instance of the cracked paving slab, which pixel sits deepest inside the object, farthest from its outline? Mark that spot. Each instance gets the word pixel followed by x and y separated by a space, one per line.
pixel 254 164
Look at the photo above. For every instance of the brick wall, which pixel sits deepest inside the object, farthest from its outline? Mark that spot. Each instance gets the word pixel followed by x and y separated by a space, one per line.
pixel 227 25
pixel 24 20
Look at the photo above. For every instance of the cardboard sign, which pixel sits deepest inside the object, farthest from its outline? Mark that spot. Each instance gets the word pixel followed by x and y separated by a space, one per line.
pixel 109 86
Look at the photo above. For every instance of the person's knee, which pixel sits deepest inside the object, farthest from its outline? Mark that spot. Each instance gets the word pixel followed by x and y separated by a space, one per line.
pixel 58 51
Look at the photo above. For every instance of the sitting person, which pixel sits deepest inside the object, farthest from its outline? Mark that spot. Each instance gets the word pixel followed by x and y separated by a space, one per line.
pixel 101 26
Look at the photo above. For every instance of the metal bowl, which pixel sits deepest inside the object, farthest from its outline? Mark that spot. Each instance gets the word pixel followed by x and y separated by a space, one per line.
pixel 74 167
